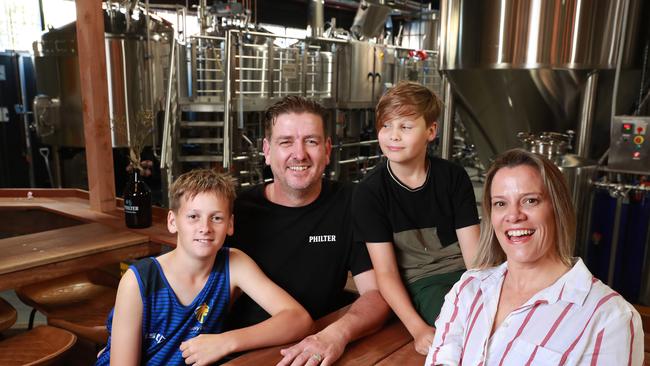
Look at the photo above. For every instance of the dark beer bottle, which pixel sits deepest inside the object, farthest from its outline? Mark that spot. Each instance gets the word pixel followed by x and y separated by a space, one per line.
pixel 137 202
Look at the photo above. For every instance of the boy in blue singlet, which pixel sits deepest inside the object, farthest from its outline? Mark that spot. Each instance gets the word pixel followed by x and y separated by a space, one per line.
pixel 170 309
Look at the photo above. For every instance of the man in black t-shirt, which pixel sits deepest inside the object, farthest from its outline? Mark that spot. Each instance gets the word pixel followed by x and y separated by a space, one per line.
pixel 298 229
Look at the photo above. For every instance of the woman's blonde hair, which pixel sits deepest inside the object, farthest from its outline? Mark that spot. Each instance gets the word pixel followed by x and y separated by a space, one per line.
pixel 490 253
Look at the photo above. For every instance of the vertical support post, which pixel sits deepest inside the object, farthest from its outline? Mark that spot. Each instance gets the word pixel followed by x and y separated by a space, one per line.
pixel 448 111
pixel 94 99
pixel 587 110
pixel 229 58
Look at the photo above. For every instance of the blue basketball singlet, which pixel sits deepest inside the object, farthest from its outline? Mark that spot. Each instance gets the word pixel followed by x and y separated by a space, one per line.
pixel 166 323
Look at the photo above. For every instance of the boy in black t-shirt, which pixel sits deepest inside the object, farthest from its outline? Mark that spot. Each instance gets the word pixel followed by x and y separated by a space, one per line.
pixel 417 214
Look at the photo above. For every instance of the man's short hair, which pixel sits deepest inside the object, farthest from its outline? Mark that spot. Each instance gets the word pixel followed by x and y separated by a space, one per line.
pixel 293 104
pixel 197 181
pixel 408 99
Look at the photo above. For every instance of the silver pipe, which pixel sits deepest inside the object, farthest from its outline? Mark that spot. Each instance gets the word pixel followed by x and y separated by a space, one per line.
pixel 612 253
pixel 109 7
pixel 245 157
pixel 587 111
pixel 203 4
pixel 168 104
pixel 644 68
pixel 227 160
pixel 240 99
pixel 209 37
pixel 148 57
pixel 331 40
pixel 643 102
pixel 126 94
pixel 182 15
pixel 316 18
pixel 353 144
pixel 448 112
pixel 621 186
pixel 28 141
pixel 152 78
pixel 619 60
pixel 359 159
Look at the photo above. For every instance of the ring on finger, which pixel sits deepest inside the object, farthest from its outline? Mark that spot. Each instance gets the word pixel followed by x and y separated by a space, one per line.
pixel 317 357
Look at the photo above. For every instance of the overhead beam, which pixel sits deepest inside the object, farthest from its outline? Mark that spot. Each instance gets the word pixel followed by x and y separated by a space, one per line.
pixel 94 99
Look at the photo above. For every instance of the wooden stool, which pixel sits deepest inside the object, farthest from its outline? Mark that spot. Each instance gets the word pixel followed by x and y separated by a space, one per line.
pixel 42 345
pixel 79 303
pixel 8 315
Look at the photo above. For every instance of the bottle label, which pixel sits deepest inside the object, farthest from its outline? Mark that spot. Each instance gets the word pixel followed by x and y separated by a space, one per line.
pixel 129 207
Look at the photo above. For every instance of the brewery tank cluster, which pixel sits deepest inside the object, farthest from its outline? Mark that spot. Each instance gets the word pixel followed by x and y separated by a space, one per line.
pixel 568 80
pixel 137 46
pixel 227 74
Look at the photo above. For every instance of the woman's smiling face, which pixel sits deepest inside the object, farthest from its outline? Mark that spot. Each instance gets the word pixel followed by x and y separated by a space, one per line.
pixel 522 216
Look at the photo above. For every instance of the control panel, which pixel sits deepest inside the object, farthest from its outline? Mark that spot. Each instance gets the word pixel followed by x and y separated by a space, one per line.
pixel 629 148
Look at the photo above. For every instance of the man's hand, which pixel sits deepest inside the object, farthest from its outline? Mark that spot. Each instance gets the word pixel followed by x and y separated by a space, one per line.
pixel 205 349
pixel 423 340
pixel 317 349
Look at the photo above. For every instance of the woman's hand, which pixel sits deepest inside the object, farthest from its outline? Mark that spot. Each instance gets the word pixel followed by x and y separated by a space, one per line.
pixel 206 349
pixel 423 340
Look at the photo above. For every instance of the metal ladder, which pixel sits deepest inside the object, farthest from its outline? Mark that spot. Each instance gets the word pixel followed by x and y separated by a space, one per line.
pixel 195 126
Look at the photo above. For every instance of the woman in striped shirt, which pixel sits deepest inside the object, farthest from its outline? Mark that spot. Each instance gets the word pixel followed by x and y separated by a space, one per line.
pixel 530 302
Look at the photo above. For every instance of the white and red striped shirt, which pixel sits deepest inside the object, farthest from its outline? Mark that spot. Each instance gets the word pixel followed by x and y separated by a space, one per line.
pixel 576 321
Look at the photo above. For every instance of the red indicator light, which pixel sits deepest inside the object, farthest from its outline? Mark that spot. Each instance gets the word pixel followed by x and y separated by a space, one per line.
pixel 636 155
pixel 627 126
pixel 639 130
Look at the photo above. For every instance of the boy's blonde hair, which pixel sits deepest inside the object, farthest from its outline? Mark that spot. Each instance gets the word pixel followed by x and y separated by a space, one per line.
pixel 189 184
pixel 408 99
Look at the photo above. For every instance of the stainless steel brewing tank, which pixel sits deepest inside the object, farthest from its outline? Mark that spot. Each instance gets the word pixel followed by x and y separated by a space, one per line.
pixel 57 109
pixel 521 65
pixel 360 75
pixel 131 90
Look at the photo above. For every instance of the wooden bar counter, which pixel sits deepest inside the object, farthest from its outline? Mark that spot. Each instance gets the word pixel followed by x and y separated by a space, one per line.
pixel 54 232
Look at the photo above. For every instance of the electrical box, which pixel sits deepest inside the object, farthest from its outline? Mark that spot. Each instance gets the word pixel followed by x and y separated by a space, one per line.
pixel 629 148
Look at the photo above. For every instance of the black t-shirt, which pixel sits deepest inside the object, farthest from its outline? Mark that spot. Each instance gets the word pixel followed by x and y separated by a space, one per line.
pixel 307 250
pixel 421 223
